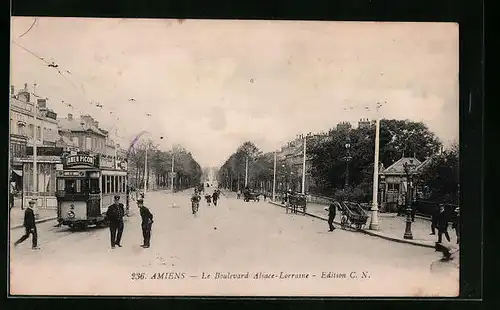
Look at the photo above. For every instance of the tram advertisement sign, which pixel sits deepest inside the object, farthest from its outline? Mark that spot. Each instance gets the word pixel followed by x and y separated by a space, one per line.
pixel 81 160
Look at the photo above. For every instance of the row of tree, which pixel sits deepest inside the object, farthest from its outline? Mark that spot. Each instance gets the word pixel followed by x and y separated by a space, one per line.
pixel 327 156
pixel 187 171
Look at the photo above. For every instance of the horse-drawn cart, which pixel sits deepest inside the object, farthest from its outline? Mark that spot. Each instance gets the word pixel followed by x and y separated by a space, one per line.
pixel 353 215
pixel 295 202
pixel 247 196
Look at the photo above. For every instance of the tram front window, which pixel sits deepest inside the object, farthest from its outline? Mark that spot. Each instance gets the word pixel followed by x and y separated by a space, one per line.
pixel 93 185
pixel 70 186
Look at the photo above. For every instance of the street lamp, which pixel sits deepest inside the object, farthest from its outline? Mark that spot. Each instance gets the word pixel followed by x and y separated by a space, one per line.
pixel 409 181
pixel 347 158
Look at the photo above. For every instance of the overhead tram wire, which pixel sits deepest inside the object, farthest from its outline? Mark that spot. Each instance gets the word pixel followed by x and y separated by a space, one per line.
pixel 53 64
pixel 97 104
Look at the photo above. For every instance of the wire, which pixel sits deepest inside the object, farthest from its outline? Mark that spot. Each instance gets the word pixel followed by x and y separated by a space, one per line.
pixel 34 22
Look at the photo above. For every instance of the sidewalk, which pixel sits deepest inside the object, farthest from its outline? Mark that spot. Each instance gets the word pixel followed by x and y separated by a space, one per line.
pixel 391 227
pixel 17 216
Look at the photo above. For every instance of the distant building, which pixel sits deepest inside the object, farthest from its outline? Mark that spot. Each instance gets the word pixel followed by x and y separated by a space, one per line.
pixel 364 123
pixel 394 184
pixel 293 155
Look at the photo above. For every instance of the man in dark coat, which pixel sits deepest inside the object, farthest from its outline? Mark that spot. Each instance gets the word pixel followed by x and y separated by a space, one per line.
pixel 215 197
pixel 442 225
pixel 147 223
pixel 30 226
pixel 434 219
pixel 332 211
pixel 115 214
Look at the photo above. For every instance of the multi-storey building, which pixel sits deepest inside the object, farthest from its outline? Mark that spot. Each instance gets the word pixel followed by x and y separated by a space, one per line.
pixel 22 127
pixel 292 156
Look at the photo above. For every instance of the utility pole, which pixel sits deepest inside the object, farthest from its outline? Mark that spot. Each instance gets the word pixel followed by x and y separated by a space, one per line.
pixel 172 174
pixel 374 218
pixel 35 168
pixel 304 167
pixel 145 170
pixel 274 178
pixel 246 171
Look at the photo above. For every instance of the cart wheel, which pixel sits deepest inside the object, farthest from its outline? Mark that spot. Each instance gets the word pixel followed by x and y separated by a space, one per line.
pixel 343 222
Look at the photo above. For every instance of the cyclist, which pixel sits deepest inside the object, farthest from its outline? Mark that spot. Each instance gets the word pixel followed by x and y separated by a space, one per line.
pixel 195 201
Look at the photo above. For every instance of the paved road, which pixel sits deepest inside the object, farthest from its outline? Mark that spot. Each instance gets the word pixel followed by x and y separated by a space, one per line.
pixel 233 237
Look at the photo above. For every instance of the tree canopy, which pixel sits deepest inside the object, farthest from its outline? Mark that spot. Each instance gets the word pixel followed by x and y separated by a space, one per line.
pixel 327 157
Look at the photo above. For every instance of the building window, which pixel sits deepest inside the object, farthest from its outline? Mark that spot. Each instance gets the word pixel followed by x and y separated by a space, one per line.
pixel 31 130
pixel 103 184
pixel 38 133
pixel 108 184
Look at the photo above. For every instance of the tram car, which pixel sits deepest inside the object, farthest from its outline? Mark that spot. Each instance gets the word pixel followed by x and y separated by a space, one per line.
pixel 86 186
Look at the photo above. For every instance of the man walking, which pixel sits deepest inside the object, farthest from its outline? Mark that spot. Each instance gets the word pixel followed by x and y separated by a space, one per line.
pixel 30 226
pixel 147 223
pixel 332 211
pixel 442 225
pixel 434 219
pixel 115 214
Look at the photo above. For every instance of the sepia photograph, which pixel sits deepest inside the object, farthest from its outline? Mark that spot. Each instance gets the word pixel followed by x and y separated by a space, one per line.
pixel 197 157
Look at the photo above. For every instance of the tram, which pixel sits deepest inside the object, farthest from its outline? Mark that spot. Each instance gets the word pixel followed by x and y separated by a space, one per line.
pixel 86 186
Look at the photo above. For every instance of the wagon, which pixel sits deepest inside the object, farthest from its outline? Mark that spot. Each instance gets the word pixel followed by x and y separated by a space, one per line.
pixel 251 196
pixel 353 215
pixel 295 202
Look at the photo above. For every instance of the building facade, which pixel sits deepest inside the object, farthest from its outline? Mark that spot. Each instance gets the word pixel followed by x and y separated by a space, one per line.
pixel 23 107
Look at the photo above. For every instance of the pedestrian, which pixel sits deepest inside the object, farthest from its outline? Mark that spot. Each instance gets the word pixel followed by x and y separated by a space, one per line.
pixel 215 197
pixel 434 219
pixel 442 225
pixel 30 226
pixel 115 214
pixel 147 223
pixel 456 224
pixel 265 196
pixel 209 199
pixel 332 211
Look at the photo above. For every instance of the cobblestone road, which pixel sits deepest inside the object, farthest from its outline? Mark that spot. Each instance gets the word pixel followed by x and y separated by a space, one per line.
pixel 234 237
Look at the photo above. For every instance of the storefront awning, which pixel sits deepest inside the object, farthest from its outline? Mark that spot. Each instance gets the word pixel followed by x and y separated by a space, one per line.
pixel 18 172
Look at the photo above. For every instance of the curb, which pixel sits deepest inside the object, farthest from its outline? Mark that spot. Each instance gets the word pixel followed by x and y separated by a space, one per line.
pixel 371 233
pixel 36 222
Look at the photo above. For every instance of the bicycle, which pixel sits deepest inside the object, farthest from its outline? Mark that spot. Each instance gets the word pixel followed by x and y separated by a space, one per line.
pixel 195 206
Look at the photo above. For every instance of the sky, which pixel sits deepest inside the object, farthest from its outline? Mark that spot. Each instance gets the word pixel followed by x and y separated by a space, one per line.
pixel 211 85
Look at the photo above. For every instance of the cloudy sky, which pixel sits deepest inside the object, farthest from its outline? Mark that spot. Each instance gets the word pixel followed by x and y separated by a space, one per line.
pixel 211 85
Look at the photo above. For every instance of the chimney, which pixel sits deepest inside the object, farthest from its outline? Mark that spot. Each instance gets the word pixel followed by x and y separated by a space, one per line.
pixel 70 116
pixel 12 91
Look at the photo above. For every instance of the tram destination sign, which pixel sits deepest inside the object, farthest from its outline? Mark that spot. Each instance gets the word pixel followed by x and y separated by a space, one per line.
pixel 81 160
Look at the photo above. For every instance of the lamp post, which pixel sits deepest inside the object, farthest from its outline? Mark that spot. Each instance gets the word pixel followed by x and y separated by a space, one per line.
pixel 347 158
pixel 408 234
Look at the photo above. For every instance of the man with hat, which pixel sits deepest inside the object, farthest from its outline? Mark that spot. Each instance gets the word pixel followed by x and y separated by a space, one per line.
pixel 147 223
pixel 29 225
pixel 115 214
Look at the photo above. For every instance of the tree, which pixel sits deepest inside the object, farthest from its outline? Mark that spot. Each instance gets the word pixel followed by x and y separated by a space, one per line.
pixel 441 176
pixel 396 137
